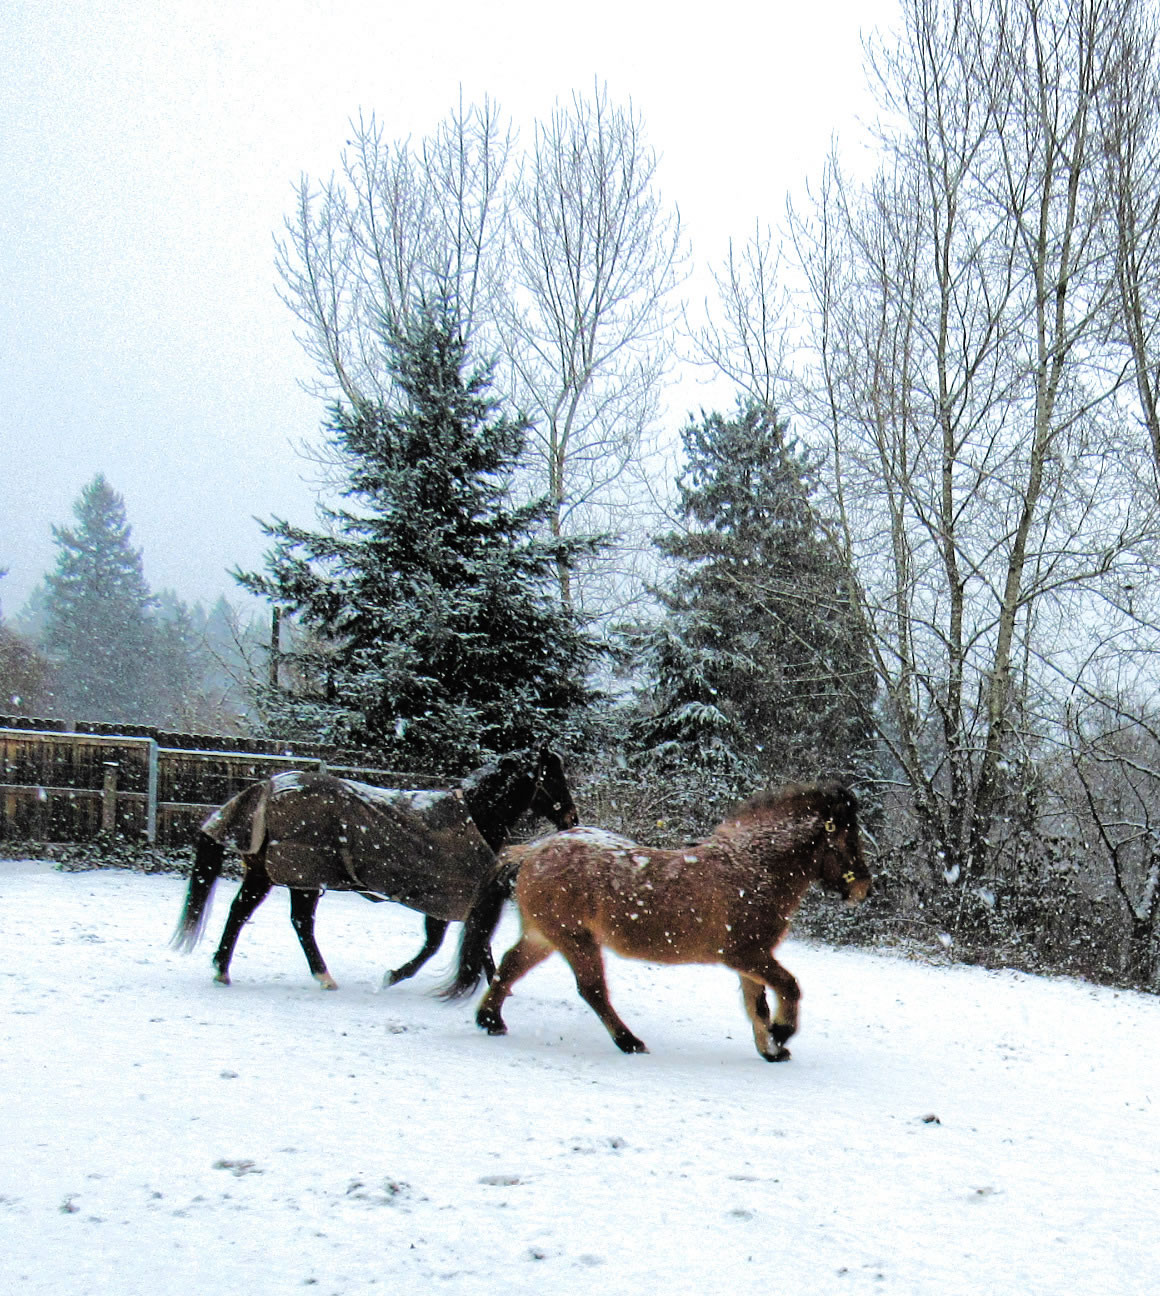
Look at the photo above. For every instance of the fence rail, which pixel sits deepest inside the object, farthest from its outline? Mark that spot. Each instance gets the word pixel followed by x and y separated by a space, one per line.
pixel 58 785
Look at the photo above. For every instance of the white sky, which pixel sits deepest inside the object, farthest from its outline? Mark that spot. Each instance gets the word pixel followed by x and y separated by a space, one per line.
pixel 147 154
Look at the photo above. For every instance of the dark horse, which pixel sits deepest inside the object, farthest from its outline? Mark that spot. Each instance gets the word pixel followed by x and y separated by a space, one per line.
pixel 727 899
pixel 313 832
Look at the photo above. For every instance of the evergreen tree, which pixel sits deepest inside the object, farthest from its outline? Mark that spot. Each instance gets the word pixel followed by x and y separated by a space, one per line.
pixel 425 621
pixel 181 668
pixel 759 666
pixel 97 631
pixel 24 673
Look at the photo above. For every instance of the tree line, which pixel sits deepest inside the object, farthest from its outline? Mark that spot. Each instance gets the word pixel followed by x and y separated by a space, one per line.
pixel 95 643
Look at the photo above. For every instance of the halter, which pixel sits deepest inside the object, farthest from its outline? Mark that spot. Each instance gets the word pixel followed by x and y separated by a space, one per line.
pixel 541 775
pixel 849 877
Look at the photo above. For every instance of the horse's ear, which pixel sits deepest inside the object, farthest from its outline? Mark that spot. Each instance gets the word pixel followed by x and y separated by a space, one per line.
pixel 837 803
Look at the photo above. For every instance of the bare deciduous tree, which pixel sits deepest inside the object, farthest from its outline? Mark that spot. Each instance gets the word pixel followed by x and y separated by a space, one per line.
pixel 595 255
pixel 1129 125
pixel 744 336
pixel 959 371
pixel 564 271
pixel 396 222
pixel 1114 749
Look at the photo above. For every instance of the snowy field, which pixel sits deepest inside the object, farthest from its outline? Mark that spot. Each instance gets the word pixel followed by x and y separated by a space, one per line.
pixel 161 1134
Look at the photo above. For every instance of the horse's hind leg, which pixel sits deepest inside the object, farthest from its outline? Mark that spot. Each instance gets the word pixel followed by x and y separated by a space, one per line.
pixel 435 929
pixel 254 889
pixel 302 907
pixel 587 962
pixel 521 958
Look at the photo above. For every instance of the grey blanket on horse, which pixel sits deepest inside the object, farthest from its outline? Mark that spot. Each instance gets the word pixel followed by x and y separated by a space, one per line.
pixel 420 849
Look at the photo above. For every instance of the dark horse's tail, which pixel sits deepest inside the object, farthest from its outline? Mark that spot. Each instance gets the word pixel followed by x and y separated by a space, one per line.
pixel 480 924
pixel 207 867
pixel 241 821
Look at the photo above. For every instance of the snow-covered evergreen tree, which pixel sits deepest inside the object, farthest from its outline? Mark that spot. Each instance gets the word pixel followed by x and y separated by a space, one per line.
pixel 182 696
pixel 23 672
pixel 98 633
pixel 426 622
pixel 759 670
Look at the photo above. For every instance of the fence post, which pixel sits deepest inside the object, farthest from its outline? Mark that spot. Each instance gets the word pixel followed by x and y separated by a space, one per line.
pixel 109 798
pixel 275 646
pixel 151 797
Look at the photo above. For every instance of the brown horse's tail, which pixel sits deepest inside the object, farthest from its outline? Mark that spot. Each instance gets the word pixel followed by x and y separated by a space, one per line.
pixel 480 924
pixel 207 867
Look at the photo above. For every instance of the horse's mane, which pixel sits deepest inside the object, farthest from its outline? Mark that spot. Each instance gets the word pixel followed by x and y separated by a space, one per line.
pixel 831 797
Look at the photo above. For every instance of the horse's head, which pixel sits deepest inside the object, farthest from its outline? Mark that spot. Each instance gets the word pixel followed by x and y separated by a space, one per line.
pixel 839 854
pixel 509 786
pixel 551 796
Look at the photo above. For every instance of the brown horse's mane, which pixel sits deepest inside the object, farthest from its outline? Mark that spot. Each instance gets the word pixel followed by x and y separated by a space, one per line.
pixel 832 797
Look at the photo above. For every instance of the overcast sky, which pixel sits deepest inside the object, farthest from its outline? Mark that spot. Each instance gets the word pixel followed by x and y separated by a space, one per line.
pixel 148 150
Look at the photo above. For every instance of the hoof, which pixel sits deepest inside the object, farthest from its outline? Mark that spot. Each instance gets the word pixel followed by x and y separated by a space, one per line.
pixel 221 978
pixel 490 1022
pixel 779 1054
pixel 779 1032
pixel 630 1044
pixel 326 981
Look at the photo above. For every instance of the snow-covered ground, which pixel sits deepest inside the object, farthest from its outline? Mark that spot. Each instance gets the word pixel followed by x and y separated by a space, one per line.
pixel 161 1134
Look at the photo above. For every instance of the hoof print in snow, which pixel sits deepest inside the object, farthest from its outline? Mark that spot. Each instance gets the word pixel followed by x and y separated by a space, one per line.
pixel 237 1168
pixel 390 1192
pixel 931 1119
pixel 500 1180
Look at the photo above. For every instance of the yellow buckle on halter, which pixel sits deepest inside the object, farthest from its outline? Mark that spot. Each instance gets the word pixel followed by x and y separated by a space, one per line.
pixel 830 826
pixel 849 877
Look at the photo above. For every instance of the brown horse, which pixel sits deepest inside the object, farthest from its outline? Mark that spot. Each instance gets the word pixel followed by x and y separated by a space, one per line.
pixel 313 832
pixel 728 899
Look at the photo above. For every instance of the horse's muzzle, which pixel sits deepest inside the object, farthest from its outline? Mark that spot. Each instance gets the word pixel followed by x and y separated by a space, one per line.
pixel 857 890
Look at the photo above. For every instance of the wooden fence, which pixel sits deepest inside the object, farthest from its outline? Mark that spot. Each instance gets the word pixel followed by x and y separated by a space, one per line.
pixel 58 785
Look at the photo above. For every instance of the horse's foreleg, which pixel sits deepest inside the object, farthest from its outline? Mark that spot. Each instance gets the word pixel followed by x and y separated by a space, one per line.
pixel 587 962
pixel 757 1007
pixel 435 929
pixel 302 907
pixel 521 958
pixel 770 1035
pixel 254 889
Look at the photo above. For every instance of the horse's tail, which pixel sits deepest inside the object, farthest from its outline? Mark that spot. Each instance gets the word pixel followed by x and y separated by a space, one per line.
pixel 480 924
pixel 207 867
